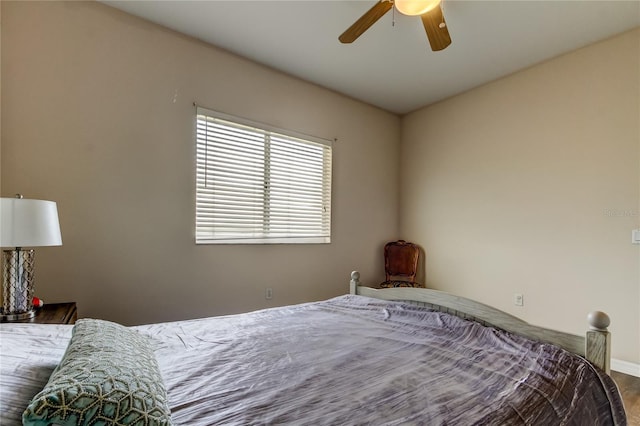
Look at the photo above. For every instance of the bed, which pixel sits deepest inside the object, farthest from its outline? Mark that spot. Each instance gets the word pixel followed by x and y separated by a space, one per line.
pixel 421 357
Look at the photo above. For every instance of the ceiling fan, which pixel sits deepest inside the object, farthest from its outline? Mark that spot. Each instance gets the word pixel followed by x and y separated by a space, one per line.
pixel 429 10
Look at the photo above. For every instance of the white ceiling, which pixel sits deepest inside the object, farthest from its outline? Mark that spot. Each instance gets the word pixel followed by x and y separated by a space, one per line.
pixel 391 65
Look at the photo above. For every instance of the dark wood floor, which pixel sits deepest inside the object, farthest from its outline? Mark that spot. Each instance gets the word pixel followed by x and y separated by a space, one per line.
pixel 630 389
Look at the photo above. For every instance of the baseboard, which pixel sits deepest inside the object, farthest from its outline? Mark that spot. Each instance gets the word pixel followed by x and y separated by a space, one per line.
pixel 625 367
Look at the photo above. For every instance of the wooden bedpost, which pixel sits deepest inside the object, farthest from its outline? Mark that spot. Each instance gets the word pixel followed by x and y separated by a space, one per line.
pixel 354 283
pixel 598 341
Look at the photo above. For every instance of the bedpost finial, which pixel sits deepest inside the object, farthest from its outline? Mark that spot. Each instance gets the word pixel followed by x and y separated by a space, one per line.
pixel 598 320
pixel 354 283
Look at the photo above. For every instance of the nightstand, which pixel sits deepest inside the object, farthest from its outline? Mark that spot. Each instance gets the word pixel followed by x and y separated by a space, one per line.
pixel 54 313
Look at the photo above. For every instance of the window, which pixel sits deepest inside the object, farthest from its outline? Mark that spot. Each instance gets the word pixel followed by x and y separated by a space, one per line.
pixel 256 184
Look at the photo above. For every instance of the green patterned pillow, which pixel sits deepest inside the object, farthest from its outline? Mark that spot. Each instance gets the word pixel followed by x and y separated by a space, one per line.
pixel 108 376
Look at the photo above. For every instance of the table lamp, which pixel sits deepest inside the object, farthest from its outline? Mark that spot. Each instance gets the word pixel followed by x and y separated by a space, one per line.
pixel 23 223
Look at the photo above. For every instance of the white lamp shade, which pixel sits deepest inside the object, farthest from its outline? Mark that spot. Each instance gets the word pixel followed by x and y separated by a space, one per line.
pixel 415 7
pixel 29 223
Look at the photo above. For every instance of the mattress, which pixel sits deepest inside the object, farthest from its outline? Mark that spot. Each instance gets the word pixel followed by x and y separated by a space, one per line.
pixel 349 360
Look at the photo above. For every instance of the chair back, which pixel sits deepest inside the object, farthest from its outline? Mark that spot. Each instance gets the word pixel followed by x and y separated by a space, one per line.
pixel 401 261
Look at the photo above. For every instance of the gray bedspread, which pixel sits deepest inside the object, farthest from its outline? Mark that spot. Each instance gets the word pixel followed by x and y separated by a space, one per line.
pixel 352 360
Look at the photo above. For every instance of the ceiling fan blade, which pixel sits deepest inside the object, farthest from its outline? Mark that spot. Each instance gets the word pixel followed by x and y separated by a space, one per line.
pixel 438 35
pixel 365 21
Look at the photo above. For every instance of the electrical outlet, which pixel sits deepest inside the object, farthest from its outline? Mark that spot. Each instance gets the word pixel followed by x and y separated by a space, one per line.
pixel 268 293
pixel 518 299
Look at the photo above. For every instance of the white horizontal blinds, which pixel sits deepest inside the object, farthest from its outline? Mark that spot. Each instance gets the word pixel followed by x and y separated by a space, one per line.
pixel 254 185
pixel 230 180
pixel 299 188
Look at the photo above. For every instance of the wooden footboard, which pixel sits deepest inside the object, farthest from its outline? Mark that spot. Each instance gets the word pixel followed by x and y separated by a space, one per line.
pixel 595 347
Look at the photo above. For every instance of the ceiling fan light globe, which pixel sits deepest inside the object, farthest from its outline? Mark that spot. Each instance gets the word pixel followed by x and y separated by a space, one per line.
pixel 415 7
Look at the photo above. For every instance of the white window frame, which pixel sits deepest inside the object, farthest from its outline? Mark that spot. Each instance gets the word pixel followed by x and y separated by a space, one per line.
pixel 279 193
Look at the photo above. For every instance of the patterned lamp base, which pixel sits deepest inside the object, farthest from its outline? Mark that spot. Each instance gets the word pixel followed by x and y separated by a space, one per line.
pixel 17 285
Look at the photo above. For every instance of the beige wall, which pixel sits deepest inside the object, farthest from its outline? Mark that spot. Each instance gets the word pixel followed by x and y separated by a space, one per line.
pixel 98 116
pixel 0 98
pixel 531 184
